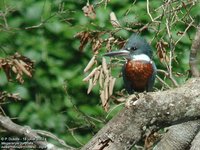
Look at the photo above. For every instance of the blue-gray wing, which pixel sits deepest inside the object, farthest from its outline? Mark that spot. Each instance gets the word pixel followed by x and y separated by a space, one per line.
pixel 127 83
pixel 152 78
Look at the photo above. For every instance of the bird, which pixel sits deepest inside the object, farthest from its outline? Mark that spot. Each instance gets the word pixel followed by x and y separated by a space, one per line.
pixel 139 70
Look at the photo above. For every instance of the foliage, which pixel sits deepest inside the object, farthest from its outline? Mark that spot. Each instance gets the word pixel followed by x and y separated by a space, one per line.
pixel 55 98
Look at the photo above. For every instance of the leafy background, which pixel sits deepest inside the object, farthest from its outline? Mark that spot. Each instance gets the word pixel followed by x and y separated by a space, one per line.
pixel 56 99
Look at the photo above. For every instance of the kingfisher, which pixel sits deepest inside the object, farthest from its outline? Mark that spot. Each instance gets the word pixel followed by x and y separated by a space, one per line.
pixel 139 71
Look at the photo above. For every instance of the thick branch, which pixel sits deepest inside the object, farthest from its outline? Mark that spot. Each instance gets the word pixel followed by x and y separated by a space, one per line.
pixel 151 109
pixel 195 49
pixel 179 136
pixel 195 143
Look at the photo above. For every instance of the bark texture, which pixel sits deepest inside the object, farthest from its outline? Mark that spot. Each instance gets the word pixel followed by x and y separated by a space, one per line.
pixel 195 48
pixel 151 111
pixel 195 145
pixel 179 136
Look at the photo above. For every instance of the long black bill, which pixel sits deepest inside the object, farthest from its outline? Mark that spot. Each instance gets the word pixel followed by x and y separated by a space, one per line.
pixel 118 53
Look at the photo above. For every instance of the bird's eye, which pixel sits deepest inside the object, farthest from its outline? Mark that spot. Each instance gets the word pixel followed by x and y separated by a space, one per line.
pixel 133 48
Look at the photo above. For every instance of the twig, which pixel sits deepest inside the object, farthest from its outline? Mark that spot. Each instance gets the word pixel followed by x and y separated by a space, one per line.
pixel 168 75
pixel 184 32
pixel 35 26
pixel 2 111
pixel 150 13
pixel 95 119
pixel 129 9
pixel 72 133
pixel 99 3
pixel 162 81
pixel 163 71
pixel 195 49
pixel 170 54
pixel 111 110
pixel 40 24
pixel 49 134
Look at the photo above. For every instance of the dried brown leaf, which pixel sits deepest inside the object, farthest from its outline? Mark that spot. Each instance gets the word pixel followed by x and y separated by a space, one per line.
pixel 90 64
pixel 101 78
pixel 161 51
pixel 106 107
pixel 106 92
pixel 22 67
pixel 6 68
pixel 28 62
pixel 92 73
pixel 90 86
pixel 96 45
pixel 96 76
pixel 84 39
pixel 18 65
pixel 14 69
pixel 113 19
pixel 5 95
pixel 108 44
pixel 105 104
pixel 111 85
pixel 102 96
pixel 89 11
pixel 104 66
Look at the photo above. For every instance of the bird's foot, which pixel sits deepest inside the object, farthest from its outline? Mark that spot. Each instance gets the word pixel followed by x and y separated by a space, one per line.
pixel 130 100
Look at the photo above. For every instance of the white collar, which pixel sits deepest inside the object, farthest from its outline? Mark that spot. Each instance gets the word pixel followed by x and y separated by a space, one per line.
pixel 142 57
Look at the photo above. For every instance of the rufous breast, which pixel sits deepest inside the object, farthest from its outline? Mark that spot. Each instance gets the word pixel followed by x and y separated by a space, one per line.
pixel 138 73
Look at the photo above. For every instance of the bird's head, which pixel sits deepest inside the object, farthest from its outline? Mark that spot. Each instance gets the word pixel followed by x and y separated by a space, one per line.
pixel 136 46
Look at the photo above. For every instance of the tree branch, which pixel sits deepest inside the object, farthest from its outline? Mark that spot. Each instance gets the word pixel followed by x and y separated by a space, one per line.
pixel 156 109
pixel 179 136
pixel 195 49
pixel 195 143
pixel 30 134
